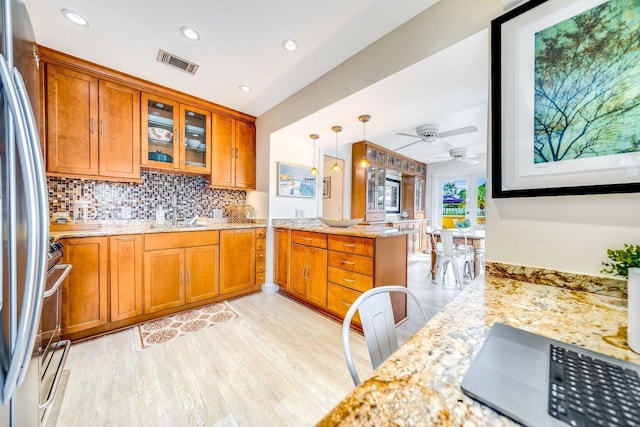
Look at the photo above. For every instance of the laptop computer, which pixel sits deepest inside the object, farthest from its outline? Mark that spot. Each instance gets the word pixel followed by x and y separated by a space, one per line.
pixel 530 378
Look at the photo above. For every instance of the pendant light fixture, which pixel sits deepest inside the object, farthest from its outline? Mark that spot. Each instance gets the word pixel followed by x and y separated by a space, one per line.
pixel 314 170
pixel 336 167
pixel 364 162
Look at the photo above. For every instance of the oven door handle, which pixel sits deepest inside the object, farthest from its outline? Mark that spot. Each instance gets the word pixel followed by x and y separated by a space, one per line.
pixel 64 270
pixel 53 390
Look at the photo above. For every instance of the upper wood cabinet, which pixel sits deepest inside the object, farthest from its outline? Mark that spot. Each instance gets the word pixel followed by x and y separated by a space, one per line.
pixel 92 125
pixel 233 153
pixel 175 135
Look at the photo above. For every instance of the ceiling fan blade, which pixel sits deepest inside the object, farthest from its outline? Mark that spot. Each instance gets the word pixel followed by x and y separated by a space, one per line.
pixel 468 160
pixel 459 131
pixel 441 144
pixel 408 134
pixel 408 145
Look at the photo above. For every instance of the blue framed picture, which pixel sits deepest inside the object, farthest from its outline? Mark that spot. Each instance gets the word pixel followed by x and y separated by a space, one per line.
pixel 296 181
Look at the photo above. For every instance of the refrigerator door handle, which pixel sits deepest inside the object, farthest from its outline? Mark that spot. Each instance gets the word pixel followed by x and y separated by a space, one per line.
pixel 24 325
pixel 41 213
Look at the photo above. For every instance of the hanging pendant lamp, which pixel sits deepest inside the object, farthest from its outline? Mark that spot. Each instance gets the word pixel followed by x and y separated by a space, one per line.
pixel 314 170
pixel 336 167
pixel 364 162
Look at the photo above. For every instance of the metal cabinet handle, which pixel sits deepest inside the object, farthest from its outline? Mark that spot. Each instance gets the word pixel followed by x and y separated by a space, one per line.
pixel 348 280
pixel 345 303
pixel 125 239
pixel 93 125
pixel 348 262
pixel 348 245
pixel 101 127
pixel 189 276
pixel 307 239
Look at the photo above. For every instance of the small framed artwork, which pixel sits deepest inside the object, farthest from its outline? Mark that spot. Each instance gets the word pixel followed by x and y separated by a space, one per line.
pixel 295 181
pixel 326 187
pixel 565 98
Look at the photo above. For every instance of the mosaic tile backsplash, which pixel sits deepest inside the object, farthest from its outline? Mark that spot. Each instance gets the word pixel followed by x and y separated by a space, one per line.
pixel 191 193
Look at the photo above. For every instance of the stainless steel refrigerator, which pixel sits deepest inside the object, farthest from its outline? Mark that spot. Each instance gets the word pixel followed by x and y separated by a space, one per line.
pixel 24 211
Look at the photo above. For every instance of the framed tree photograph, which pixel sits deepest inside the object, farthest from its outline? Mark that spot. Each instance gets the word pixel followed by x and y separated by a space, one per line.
pixel 565 98
pixel 326 187
pixel 295 181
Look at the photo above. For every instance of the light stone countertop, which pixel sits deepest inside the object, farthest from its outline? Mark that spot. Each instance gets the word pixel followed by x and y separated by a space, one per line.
pixel 146 227
pixel 419 385
pixel 370 231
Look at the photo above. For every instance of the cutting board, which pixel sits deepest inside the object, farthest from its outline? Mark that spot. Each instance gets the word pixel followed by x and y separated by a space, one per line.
pixel 72 227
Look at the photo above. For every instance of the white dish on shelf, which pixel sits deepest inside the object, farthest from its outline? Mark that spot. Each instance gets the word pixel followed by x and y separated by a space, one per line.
pixel 193 143
pixel 189 163
pixel 157 141
pixel 160 134
pixel 339 222
pixel 194 130
pixel 159 120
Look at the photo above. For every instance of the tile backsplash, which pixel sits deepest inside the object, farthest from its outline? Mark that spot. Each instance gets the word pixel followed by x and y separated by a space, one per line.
pixel 192 194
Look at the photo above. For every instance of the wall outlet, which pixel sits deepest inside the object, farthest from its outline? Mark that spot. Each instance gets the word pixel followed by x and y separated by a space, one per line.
pixel 125 212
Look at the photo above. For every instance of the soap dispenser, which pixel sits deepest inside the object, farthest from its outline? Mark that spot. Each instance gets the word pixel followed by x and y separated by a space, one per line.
pixel 160 216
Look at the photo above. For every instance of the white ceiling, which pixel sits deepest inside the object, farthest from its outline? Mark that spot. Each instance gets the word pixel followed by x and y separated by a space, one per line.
pixel 241 44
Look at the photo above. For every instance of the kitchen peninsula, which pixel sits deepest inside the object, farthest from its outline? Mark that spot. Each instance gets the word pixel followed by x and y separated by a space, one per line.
pixel 327 268
pixel 419 385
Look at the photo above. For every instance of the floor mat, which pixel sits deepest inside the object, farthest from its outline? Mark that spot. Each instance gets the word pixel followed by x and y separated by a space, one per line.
pixel 165 329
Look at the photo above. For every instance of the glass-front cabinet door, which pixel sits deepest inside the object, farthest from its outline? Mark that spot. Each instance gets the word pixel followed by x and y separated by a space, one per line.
pixel 419 202
pixel 372 155
pixel 175 136
pixel 196 133
pixel 160 147
pixel 382 184
pixel 371 190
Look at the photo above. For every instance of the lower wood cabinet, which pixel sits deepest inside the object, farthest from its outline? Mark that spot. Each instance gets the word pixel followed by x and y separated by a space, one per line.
pixel 120 280
pixel 329 271
pixel 179 268
pixel 281 251
pixel 237 260
pixel 84 291
pixel 125 276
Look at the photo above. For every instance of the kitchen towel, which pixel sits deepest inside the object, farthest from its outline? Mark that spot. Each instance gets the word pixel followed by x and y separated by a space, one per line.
pixel 165 329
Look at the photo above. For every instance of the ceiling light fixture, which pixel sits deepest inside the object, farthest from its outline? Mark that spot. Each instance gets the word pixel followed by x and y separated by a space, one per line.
pixel 314 170
pixel 245 88
pixel 289 45
pixel 336 166
pixel 189 33
pixel 75 17
pixel 364 162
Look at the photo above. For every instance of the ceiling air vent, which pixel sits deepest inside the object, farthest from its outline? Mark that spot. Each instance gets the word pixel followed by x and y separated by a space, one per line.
pixel 175 61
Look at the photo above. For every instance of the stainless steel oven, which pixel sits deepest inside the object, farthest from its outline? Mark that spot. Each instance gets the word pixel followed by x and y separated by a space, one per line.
pixel 53 350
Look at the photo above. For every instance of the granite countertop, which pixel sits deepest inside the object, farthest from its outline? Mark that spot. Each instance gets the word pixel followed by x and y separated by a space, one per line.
pixel 419 385
pixel 371 231
pixel 145 227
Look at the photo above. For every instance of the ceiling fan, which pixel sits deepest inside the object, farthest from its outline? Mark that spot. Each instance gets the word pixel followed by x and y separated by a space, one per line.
pixel 429 133
pixel 459 154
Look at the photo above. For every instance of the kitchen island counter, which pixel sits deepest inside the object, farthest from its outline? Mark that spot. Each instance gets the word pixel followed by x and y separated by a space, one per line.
pixel 371 231
pixel 419 385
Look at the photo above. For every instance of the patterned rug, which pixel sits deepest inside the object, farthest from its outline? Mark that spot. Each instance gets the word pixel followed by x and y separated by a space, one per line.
pixel 168 328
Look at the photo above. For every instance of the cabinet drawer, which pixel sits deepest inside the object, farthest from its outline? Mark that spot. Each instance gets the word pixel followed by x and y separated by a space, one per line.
pixel 340 299
pixel 261 267
pixel 345 261
pixel 357 281
pixel 260 278
pixel 185 239
pixel 261 244
pixel 261 233
pixel 309 238
pixel 352 245
pixel 261 255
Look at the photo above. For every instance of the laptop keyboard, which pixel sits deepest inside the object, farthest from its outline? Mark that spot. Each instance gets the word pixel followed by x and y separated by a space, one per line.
pixel 586 391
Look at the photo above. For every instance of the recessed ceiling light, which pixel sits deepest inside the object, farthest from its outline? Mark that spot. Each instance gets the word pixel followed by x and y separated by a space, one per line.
pixel 290 45
pixel 244 88
pixel 189 33
pixel 75 17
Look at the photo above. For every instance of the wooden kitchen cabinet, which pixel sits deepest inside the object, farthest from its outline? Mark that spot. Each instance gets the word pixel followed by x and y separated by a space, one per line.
pixel 281 252
pixel 234 153
pixel 92 125
pixel 179 268
pixel 308 274
pixel 84 291
pixel 125 276
pixel 175 135
pixel 202 281
pixel 237 261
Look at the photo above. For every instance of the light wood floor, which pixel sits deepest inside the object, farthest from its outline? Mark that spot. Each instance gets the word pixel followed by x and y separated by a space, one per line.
pixel 278 364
